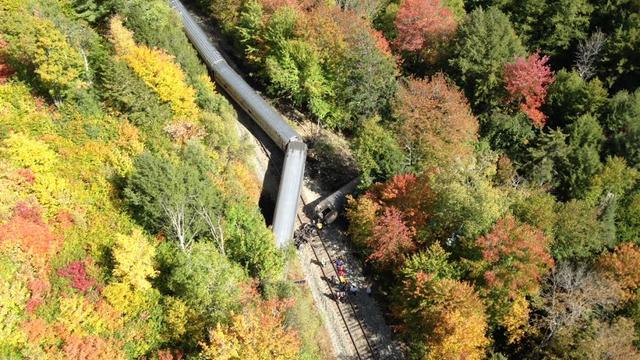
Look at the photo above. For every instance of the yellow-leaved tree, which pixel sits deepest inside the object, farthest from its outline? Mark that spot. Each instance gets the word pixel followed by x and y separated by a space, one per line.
pixel 257 334
pixel 36 43
pixel 14 294
pixel 131 293
pixel 516 320
pixel 445 316
pixel 157 69
pixel 134 255
pixel 52 190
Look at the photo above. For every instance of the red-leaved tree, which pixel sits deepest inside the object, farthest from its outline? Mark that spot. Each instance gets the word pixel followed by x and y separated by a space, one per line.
pixel 392 239
pixel 76 272
pixel 517 256
pixel 422 24
pixel 527 81
pixel 5 70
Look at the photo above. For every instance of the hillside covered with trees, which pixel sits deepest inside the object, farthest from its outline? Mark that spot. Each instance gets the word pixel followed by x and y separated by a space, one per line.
pixel 496 140
pixel 129 225
pixel 497 143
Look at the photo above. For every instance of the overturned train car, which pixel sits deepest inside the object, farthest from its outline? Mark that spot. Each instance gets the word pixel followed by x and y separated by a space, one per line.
pixel 328 209
pixel 266 117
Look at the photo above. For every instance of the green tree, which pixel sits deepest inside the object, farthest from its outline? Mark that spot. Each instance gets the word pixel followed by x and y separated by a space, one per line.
pixel 552 26
pixel 485 43
pixel 466 206
pixel 294 71
pixel 583 158
pixel 250 243
pixel 206 281
pixel 622 124
pixel 292 65
pixel 578 232
pixel 377 153
pixel 525 16
pixel 128 94
pixel 615 179
pixel 550 149
pixel 570 97
pixel 538 208
pixel 621 66
pixel 434 260
pixel 174 198
pixel 385 21
pixel 564 23
pixel 90 10
pixel 567 163
pixel 250 28
pixel 369 82
pixel 628 223
pixel 511 133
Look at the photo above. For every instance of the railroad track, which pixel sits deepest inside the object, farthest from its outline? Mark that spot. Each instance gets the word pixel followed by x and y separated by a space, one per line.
pixel 348 311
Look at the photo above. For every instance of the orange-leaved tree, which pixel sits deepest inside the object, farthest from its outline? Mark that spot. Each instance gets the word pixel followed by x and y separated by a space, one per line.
pixel 517 256
pixel 444 317
pixel 623 266
pixel 436 123
pixel 27 228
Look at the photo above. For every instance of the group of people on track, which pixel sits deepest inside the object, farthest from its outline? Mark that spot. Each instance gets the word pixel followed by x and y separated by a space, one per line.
pixel 340 282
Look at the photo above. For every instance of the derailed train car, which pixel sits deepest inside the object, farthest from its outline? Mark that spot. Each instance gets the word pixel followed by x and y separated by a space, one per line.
pixel 271 122
pixel 327 209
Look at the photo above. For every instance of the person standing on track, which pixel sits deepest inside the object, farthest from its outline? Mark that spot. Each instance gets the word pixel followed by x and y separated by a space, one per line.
pixel 353 289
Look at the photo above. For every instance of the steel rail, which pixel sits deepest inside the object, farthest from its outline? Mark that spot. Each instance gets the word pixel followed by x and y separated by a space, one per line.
pixel 335 270
pixel 333 295
pixel 329 285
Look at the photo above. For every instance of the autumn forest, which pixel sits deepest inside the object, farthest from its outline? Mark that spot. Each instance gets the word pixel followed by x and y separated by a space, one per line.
pixel 497 144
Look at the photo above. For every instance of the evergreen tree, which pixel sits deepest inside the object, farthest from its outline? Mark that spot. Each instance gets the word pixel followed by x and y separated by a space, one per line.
pixel 485 42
